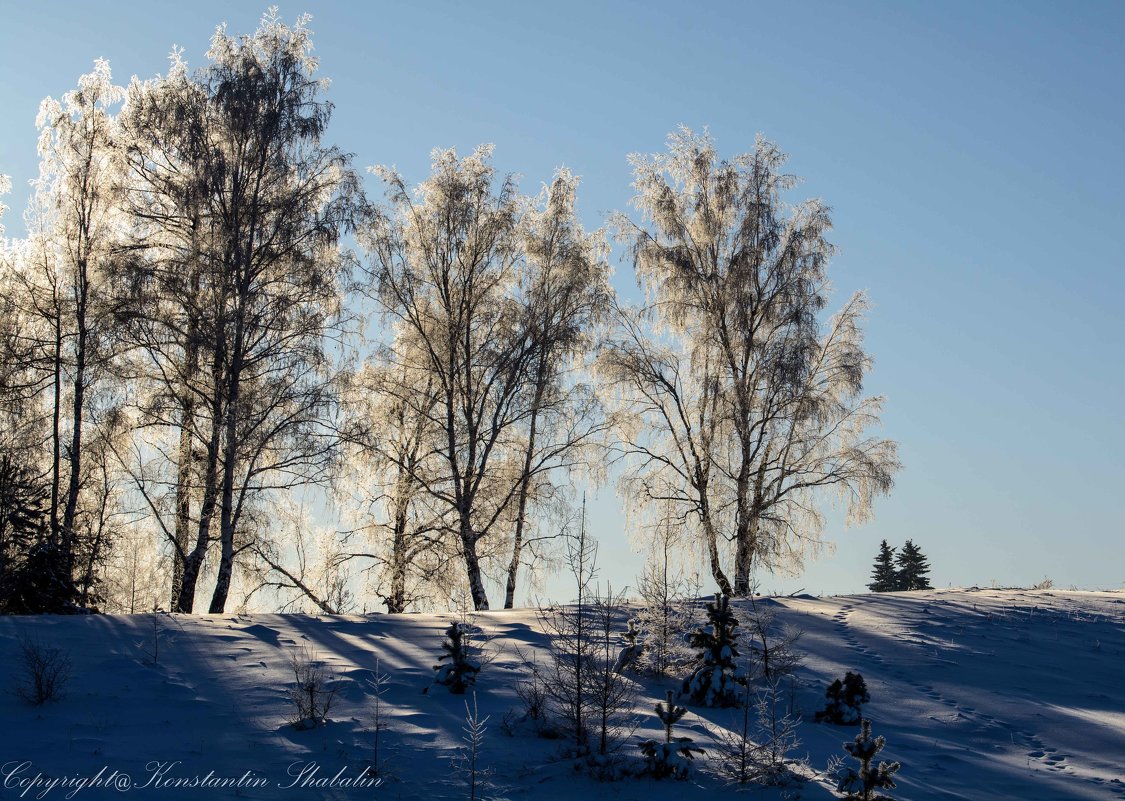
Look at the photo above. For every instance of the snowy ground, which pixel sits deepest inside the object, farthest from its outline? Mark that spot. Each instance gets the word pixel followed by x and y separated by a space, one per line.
pixel 982 694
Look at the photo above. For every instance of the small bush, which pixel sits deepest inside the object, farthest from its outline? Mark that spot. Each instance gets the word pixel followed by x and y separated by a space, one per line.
pixel 45 671
pixel 314 692
pixel 844 701
pixel 533 696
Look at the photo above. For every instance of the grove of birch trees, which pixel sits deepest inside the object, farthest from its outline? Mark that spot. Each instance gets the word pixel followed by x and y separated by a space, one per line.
pixel 233 365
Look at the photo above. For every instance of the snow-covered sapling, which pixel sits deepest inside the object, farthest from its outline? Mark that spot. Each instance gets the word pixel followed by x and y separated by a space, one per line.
pixel 467 760
pixel 670 758
pixel 844 701
pixel 865 784
pixel 632 650
pixel 461 670
pixel 378 686
pixel 716 681
pixel 755 747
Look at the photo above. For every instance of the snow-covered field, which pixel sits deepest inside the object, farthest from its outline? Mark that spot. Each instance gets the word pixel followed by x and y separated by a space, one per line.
pixel 982 694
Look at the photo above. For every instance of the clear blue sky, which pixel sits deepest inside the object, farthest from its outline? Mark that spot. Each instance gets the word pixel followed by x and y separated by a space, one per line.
pixel 973 153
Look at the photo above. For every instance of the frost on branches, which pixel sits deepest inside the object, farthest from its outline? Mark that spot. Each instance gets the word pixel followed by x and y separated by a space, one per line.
pixel 741 409
pixel 716 681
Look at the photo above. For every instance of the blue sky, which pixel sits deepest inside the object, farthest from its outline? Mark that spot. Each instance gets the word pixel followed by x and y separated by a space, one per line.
pixel 972 153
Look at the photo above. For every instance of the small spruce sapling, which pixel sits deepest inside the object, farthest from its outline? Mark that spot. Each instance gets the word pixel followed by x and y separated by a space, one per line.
pixel 461 671
pixel 865 784
pixel 716 681
pixel 467 760
pixel 844 701
pixel 671 758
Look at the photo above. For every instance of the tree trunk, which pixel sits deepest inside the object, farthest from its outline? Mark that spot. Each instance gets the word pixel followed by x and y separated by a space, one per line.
pixel 226 533
pixel 712 541
pixel 472 564
pixel 184 468
pixel 230 458
pixel 183 506
pixel 747 533
pixel 521 503
pixel 194 560
pixel 744 557
pixel 396 597
pixel 56 435
pixel 77 408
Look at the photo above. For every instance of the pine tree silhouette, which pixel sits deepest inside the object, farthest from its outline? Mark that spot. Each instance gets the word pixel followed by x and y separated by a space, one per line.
pixel 845 700
pixel 461 672
pixel 716 681
pixel 884 578
pixel 912 568
pixel 864 784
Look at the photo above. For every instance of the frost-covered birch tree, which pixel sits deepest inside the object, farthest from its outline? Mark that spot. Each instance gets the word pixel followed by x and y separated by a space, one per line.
pixel 172 315
pixel 565 294
pixel 493 297
pixel 64 299
pixel 239 283
pixel 400 529
pixel 443 262
pixel 746 406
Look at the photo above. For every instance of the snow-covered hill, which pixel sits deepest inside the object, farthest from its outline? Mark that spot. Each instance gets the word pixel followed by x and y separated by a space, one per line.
pixel 982 694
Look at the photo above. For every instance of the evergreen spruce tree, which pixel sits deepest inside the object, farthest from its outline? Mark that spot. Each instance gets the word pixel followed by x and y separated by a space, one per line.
pixel 669 758
pixel 845 700
pixel 864 784
pixel 912 568
pixel 462 670
pixel 24 497
pixel 715 682
pixel 884 578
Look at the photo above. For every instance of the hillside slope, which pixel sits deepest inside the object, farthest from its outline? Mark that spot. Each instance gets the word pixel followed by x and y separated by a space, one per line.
pixel 982 694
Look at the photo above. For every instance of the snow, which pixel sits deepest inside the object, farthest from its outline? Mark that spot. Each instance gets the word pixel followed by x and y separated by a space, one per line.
pixel 997 694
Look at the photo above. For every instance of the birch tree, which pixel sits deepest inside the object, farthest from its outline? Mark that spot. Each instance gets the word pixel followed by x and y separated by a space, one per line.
pixel 173 313
pixel 493 298
pixel 746 406
pixel 60 281
pixel 247 298
pixel 443 269
pixel 565 294
pixel 401 531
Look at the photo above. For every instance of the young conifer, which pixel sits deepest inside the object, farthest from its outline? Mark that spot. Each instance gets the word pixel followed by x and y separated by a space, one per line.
pixel 716 681
pixel 884 578
pixel 865 784
pixel 461 671
pixel 671 757
pixel 913 568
